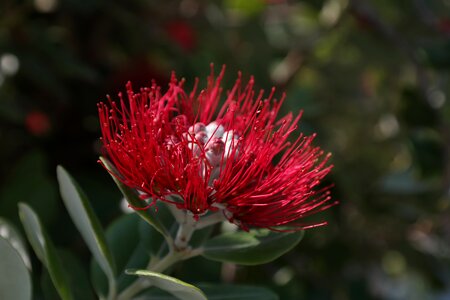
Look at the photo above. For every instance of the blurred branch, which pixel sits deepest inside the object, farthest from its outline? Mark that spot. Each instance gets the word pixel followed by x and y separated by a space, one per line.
pixel 286 71
pixel 363 9
pixel 288 68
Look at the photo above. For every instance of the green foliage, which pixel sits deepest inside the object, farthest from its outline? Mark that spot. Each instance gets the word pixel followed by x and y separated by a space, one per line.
pixel 15 282
pixel 133 199
pixel 236 292
pixel 10 233
pixel 130 244
pixel 250 248
pixel 78 278
pixel 45 250
pixel 218 292
pixel 87 223
pixel 178 288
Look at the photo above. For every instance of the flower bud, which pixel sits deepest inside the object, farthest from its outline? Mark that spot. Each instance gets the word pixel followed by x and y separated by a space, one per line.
pixel 214 151
pixel 215 130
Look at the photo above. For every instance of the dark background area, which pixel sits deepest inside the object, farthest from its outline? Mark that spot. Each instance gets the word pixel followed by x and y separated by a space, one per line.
pixel 371 76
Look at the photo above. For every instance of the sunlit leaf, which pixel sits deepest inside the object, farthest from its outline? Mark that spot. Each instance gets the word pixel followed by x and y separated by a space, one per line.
pixel 15 282
pixel 176 287
pixel 9 232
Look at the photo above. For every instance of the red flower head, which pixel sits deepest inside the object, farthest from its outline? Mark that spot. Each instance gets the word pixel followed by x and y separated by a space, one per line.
pixel 184 148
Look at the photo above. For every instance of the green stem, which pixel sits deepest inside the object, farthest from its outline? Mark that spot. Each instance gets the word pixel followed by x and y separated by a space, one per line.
pixel 160 266
pixel 184 234
pixel 178 250
pixel 112 292
pixel 188 225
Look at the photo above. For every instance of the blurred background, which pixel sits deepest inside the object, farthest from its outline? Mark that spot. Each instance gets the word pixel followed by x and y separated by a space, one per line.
pixel 371 76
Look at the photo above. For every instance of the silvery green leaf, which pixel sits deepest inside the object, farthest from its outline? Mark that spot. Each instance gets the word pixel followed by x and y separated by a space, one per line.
pixel 88 225
pixel 133 199
pixel 44 249
pixel 176 287
pixel 15 282
pixel 10 233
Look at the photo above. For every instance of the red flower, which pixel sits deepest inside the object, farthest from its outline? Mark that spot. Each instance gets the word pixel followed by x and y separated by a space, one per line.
pixel 182 33
pixel 184 149
pixel 37 123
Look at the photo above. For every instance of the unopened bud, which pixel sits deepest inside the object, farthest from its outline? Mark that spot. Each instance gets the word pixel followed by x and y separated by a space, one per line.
pixel 201 138
pixel 197 127
pixel 215 130
pixel 199 141
pixel 214 151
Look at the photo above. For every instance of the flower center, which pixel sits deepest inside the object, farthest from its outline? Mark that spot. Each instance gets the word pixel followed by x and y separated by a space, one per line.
pixel 215 143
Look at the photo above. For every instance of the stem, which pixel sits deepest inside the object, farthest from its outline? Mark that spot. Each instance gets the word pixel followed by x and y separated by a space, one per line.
pixel 177 213
pixel 188 225
pixel 133 289
pixel 210 220
pixel 185 232
pixel 112 292
pixel 143 283
pixel 178 249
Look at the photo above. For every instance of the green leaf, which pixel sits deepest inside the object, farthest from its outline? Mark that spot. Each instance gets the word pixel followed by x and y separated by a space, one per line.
pixel 200 236
pixel 88 225
pixel 217 292
pixel 15 282
pixel 77 278
pixel 250 248
pixel 129 249
pixel 153 240
pixel 236 292
pixel 176 287
pixel 47 286
pixel 44 249
pixel 199 269
pixel 149 215
pixel 12 235
pixel 132 242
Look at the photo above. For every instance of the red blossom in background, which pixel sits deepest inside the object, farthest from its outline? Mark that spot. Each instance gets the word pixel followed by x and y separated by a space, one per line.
pixel 443 25
pixel 182 33
pixel 187 149
pixel 37 123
